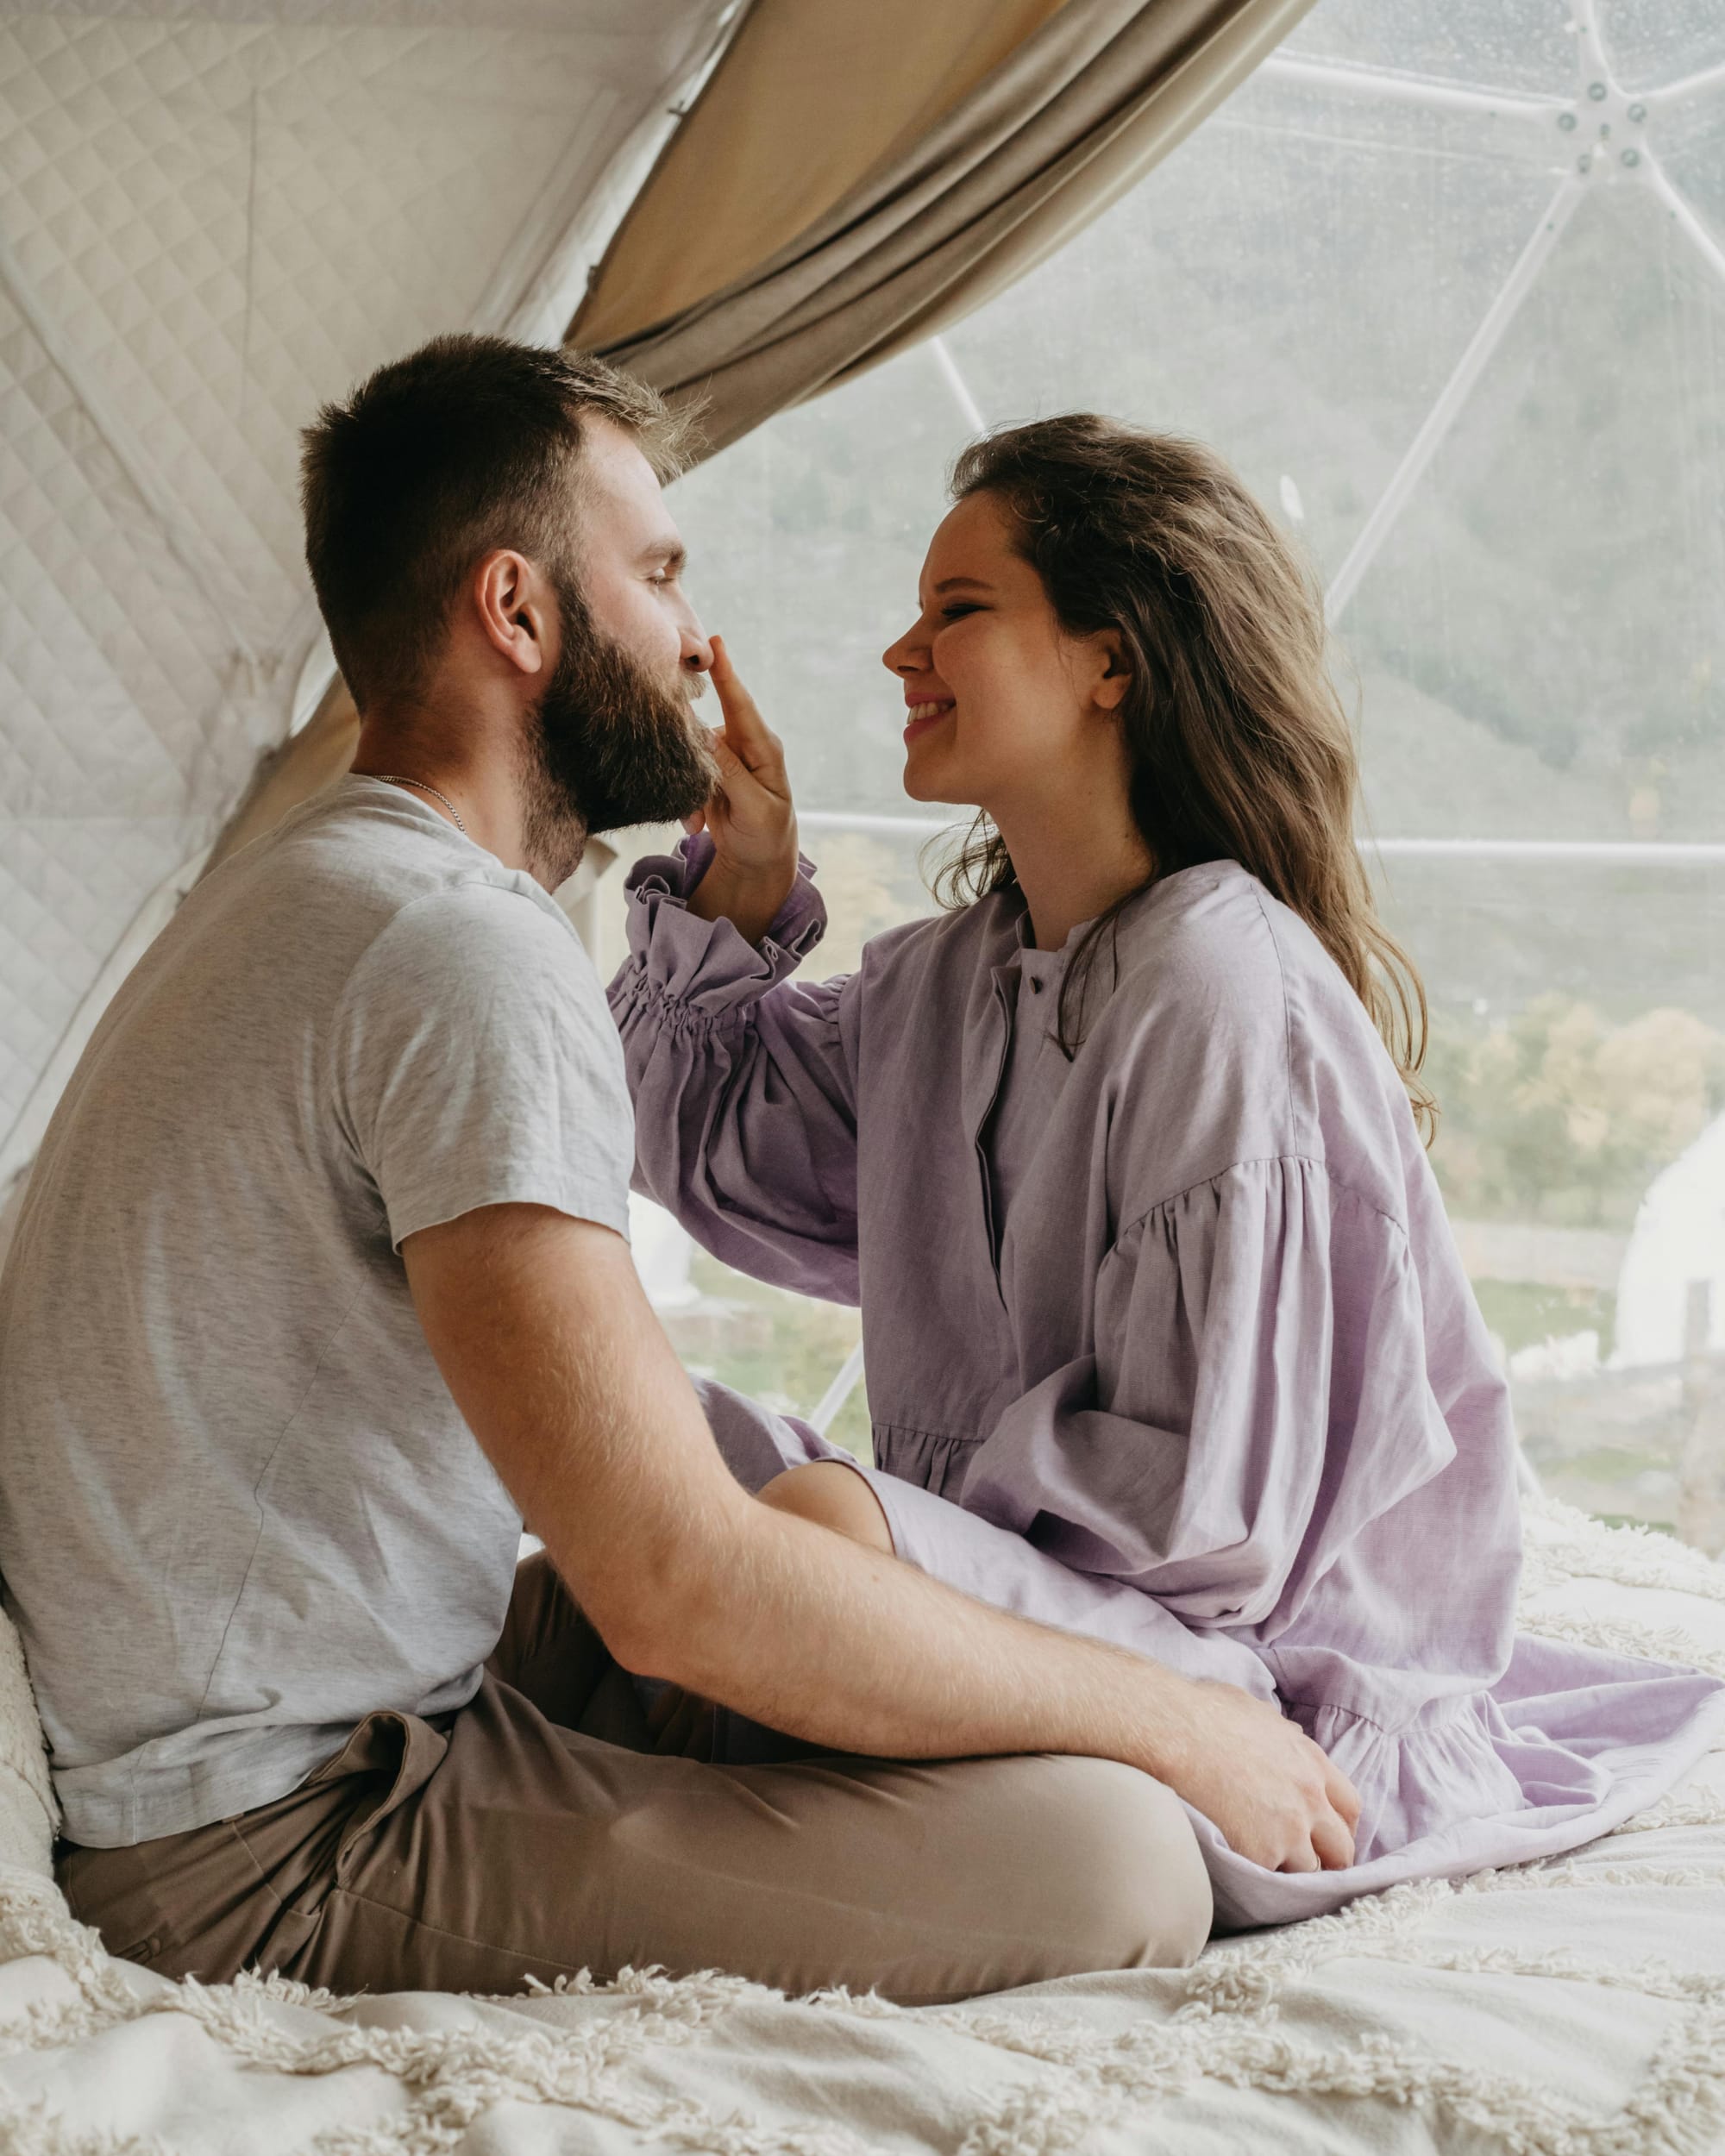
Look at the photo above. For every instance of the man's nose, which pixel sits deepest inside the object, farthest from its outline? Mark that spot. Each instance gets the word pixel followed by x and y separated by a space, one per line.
pixel 696 648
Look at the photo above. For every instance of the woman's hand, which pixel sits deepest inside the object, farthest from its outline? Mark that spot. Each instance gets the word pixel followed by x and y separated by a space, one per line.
pixel 748 816
pixel 1261 1779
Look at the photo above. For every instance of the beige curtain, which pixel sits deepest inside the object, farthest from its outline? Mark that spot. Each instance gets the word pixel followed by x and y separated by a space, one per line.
pixel 872 223
pixel 319 754
pixel 805 101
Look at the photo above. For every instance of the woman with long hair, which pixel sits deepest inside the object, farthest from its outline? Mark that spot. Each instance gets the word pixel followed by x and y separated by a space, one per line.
pixel 1123 1157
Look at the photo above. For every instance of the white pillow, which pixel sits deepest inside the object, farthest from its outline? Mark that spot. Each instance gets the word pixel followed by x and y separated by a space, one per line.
pixel 29 1817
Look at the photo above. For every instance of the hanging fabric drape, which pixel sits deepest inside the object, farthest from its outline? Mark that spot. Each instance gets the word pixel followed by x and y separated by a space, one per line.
pixel 891 177
pixel 319 754
pixel 806 100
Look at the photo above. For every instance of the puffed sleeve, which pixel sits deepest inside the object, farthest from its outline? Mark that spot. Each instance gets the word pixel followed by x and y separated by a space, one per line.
pixel 745 1117
pixel 1257 1397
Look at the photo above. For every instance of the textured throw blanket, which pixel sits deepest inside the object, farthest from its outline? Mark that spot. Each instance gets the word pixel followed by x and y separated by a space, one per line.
pixel 1571 2008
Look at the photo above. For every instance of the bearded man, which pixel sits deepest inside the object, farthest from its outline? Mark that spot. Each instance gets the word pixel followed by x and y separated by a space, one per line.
pixel 322 1286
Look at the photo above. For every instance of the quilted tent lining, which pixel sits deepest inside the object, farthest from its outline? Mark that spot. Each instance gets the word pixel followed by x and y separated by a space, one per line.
pixel 211 218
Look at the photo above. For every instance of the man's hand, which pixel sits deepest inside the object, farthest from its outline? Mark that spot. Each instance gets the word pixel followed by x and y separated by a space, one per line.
pixel 1262 1780
pixel 748 816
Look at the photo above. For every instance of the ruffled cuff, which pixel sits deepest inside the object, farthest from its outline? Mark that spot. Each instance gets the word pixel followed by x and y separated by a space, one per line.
pixel 707 962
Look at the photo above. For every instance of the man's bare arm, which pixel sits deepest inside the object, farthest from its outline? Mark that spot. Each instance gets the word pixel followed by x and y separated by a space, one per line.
pixel 557 1361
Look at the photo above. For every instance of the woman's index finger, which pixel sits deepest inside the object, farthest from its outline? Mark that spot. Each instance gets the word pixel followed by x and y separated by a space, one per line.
pixel 743 720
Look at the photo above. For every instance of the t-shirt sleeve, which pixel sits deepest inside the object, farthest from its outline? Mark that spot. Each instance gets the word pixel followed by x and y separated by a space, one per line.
pixel 476 1064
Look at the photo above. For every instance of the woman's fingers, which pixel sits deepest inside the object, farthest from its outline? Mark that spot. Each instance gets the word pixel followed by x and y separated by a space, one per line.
pixel 745 728
pixel 732 785
pixel 730 765
pixel 746 733
pixel 749 815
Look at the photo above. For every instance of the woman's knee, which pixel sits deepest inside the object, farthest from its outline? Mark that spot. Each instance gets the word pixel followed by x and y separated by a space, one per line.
pixel 831 1494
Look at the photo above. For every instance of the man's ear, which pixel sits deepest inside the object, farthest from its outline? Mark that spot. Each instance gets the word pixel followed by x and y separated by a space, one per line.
pixel 516 609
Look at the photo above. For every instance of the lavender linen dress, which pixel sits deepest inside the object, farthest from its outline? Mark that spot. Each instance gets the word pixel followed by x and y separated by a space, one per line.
pixel 1216 1389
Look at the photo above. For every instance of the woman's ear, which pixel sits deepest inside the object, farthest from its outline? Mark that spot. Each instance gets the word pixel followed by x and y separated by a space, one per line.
pixel 1114 678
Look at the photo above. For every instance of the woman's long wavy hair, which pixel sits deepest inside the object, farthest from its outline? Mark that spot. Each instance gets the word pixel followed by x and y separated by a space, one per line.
pixel 1239 748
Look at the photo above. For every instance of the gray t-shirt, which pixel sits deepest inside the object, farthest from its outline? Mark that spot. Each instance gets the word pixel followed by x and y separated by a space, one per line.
pixel 239 1510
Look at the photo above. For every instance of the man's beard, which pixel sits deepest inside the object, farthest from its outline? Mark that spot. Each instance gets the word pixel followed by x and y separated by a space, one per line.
pixel 608 745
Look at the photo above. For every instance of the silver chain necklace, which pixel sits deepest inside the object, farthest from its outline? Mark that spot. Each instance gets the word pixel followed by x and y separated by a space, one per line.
pixel 394 778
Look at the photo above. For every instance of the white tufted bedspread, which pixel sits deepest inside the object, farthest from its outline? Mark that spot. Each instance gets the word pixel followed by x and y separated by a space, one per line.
pixel 1574 2008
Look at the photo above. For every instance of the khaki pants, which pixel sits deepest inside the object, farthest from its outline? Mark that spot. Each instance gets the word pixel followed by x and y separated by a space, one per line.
pixel 536 1832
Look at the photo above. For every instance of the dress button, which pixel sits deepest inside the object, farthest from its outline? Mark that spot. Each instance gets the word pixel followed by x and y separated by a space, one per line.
pixel 1035 986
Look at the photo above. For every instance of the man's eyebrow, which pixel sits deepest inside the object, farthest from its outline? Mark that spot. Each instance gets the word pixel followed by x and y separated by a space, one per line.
pixel 670 554
pixel 952 583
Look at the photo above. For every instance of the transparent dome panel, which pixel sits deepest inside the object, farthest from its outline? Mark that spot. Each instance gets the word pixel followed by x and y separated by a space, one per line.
pixel 1557 579
pixel 1296 288
pixel 1691 156
pixel 1523 45
pixel 805 541
pixel 1654 43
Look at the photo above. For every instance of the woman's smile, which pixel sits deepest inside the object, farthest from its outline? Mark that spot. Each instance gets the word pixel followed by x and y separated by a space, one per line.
pixel 927 714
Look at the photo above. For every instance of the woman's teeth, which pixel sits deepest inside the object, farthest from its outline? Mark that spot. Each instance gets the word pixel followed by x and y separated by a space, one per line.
pixel 927 711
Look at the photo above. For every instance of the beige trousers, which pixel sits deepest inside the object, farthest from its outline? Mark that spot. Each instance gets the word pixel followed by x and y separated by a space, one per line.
pixel 536 1832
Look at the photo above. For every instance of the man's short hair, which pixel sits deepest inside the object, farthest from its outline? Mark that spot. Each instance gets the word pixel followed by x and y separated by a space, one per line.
pixel 469 444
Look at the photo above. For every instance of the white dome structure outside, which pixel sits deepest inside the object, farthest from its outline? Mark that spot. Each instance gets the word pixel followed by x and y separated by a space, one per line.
pixel 1678 1243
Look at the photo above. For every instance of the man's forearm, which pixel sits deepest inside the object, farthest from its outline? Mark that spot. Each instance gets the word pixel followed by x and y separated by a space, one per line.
pixel 826 1640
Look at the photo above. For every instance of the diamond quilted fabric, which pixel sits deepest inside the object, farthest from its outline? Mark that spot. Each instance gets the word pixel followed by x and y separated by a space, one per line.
pixel 212 217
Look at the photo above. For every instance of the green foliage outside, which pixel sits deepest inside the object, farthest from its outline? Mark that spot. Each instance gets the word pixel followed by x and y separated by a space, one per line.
pixel 1558 1116
pixel 1523 1314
